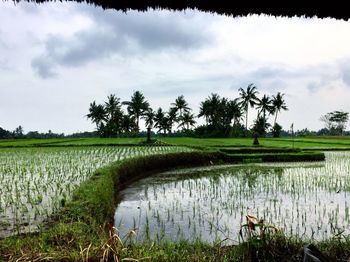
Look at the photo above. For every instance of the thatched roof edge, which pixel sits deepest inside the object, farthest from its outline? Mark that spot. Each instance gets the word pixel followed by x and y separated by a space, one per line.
pixel 218 6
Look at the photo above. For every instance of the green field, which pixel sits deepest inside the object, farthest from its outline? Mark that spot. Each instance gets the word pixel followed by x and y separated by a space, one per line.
pixel 304 143
pixel 66 190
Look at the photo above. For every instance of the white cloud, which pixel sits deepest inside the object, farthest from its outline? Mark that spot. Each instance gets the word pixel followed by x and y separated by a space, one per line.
pixel 56 58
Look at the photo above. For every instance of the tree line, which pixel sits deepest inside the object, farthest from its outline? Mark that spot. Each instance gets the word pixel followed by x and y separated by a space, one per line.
pixel 19 133
pixel 223 116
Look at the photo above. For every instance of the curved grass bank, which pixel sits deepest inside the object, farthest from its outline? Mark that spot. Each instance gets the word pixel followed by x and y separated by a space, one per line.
pixel 82 231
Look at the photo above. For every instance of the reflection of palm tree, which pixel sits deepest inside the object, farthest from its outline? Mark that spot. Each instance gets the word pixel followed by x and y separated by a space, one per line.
pixel 278 104
pixel 248 98
pixel 137 106
pixel 187 120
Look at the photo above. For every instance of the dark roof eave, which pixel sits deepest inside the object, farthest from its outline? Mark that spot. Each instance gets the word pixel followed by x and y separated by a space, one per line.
pixel 219 7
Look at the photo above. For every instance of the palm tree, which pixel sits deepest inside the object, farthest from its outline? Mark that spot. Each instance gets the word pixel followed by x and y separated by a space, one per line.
pixel 159 119
pixel 137 106
pixel 210 109
pixel 278 104
pixel 181 105
pixel 114 114
pixel 187 120
pixel 204 110
pixel 149 116
pixel 236 110
pixel 128 123
pixel 97 114
pixel 264 105
pixel 171 116
pixel 248 98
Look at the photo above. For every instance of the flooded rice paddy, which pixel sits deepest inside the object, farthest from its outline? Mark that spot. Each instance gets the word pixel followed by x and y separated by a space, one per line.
pixel 307 200
pixel 35 182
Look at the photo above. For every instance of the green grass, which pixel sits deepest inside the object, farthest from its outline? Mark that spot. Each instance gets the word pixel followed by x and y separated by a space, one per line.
pixel 69 142
pixel 304 143
pixel 326 143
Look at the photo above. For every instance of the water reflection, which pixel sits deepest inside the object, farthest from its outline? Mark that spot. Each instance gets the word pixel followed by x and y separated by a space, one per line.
pixel 304 200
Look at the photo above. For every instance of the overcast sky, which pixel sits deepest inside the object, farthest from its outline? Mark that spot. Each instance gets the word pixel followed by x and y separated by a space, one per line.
pixel 56 58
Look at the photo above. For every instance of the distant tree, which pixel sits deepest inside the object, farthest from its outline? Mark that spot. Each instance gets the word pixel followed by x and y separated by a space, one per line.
pixel 113 115
pixel 181 105
pixel 261 125
pixel 137 107
pixel 149 116
pixel 276 130
pixel 159 120
pixel 5 134
pixel 18 132
pixel 219 114
pixel 204 111
pixel 210 109
pixel 97 114
pixel 172 118
pixel 187 120
pixel 278 104
pixel 232 112
pixel 128 124
pixel 336 121
pixel 248 99
pixel 235 111
pixel 264 106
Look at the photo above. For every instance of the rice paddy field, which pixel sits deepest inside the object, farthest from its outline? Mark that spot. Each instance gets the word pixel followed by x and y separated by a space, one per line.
pixel 305 200
pixel 36 182
pixel 308 201
pixel 301 142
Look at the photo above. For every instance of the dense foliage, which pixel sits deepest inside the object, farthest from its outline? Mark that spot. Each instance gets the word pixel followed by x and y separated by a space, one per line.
pixel 223 116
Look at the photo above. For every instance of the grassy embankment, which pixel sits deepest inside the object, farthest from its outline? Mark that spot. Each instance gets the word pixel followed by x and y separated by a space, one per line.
pixel 80 230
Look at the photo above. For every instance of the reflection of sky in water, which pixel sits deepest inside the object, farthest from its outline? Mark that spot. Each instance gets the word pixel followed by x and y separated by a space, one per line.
pixel 306 200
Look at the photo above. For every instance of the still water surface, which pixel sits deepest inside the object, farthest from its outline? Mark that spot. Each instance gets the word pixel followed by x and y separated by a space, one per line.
pixel 308 200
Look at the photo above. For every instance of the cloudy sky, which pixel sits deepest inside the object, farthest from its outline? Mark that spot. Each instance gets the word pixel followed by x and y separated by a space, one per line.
pixel 56 58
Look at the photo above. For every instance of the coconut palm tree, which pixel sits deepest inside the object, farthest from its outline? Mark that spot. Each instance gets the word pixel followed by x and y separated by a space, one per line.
pixel 204 109
pixel 97 114
pixel 187 120
pixel 171 116
pixel 181 105
pixel 248 98
pixel 159 119
pixel 237 113
pixel 210 109
pixel 128 123
pixel 149 117
pixel 278 104
pixel 114 115
pixel 137 106
pixel 264 105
